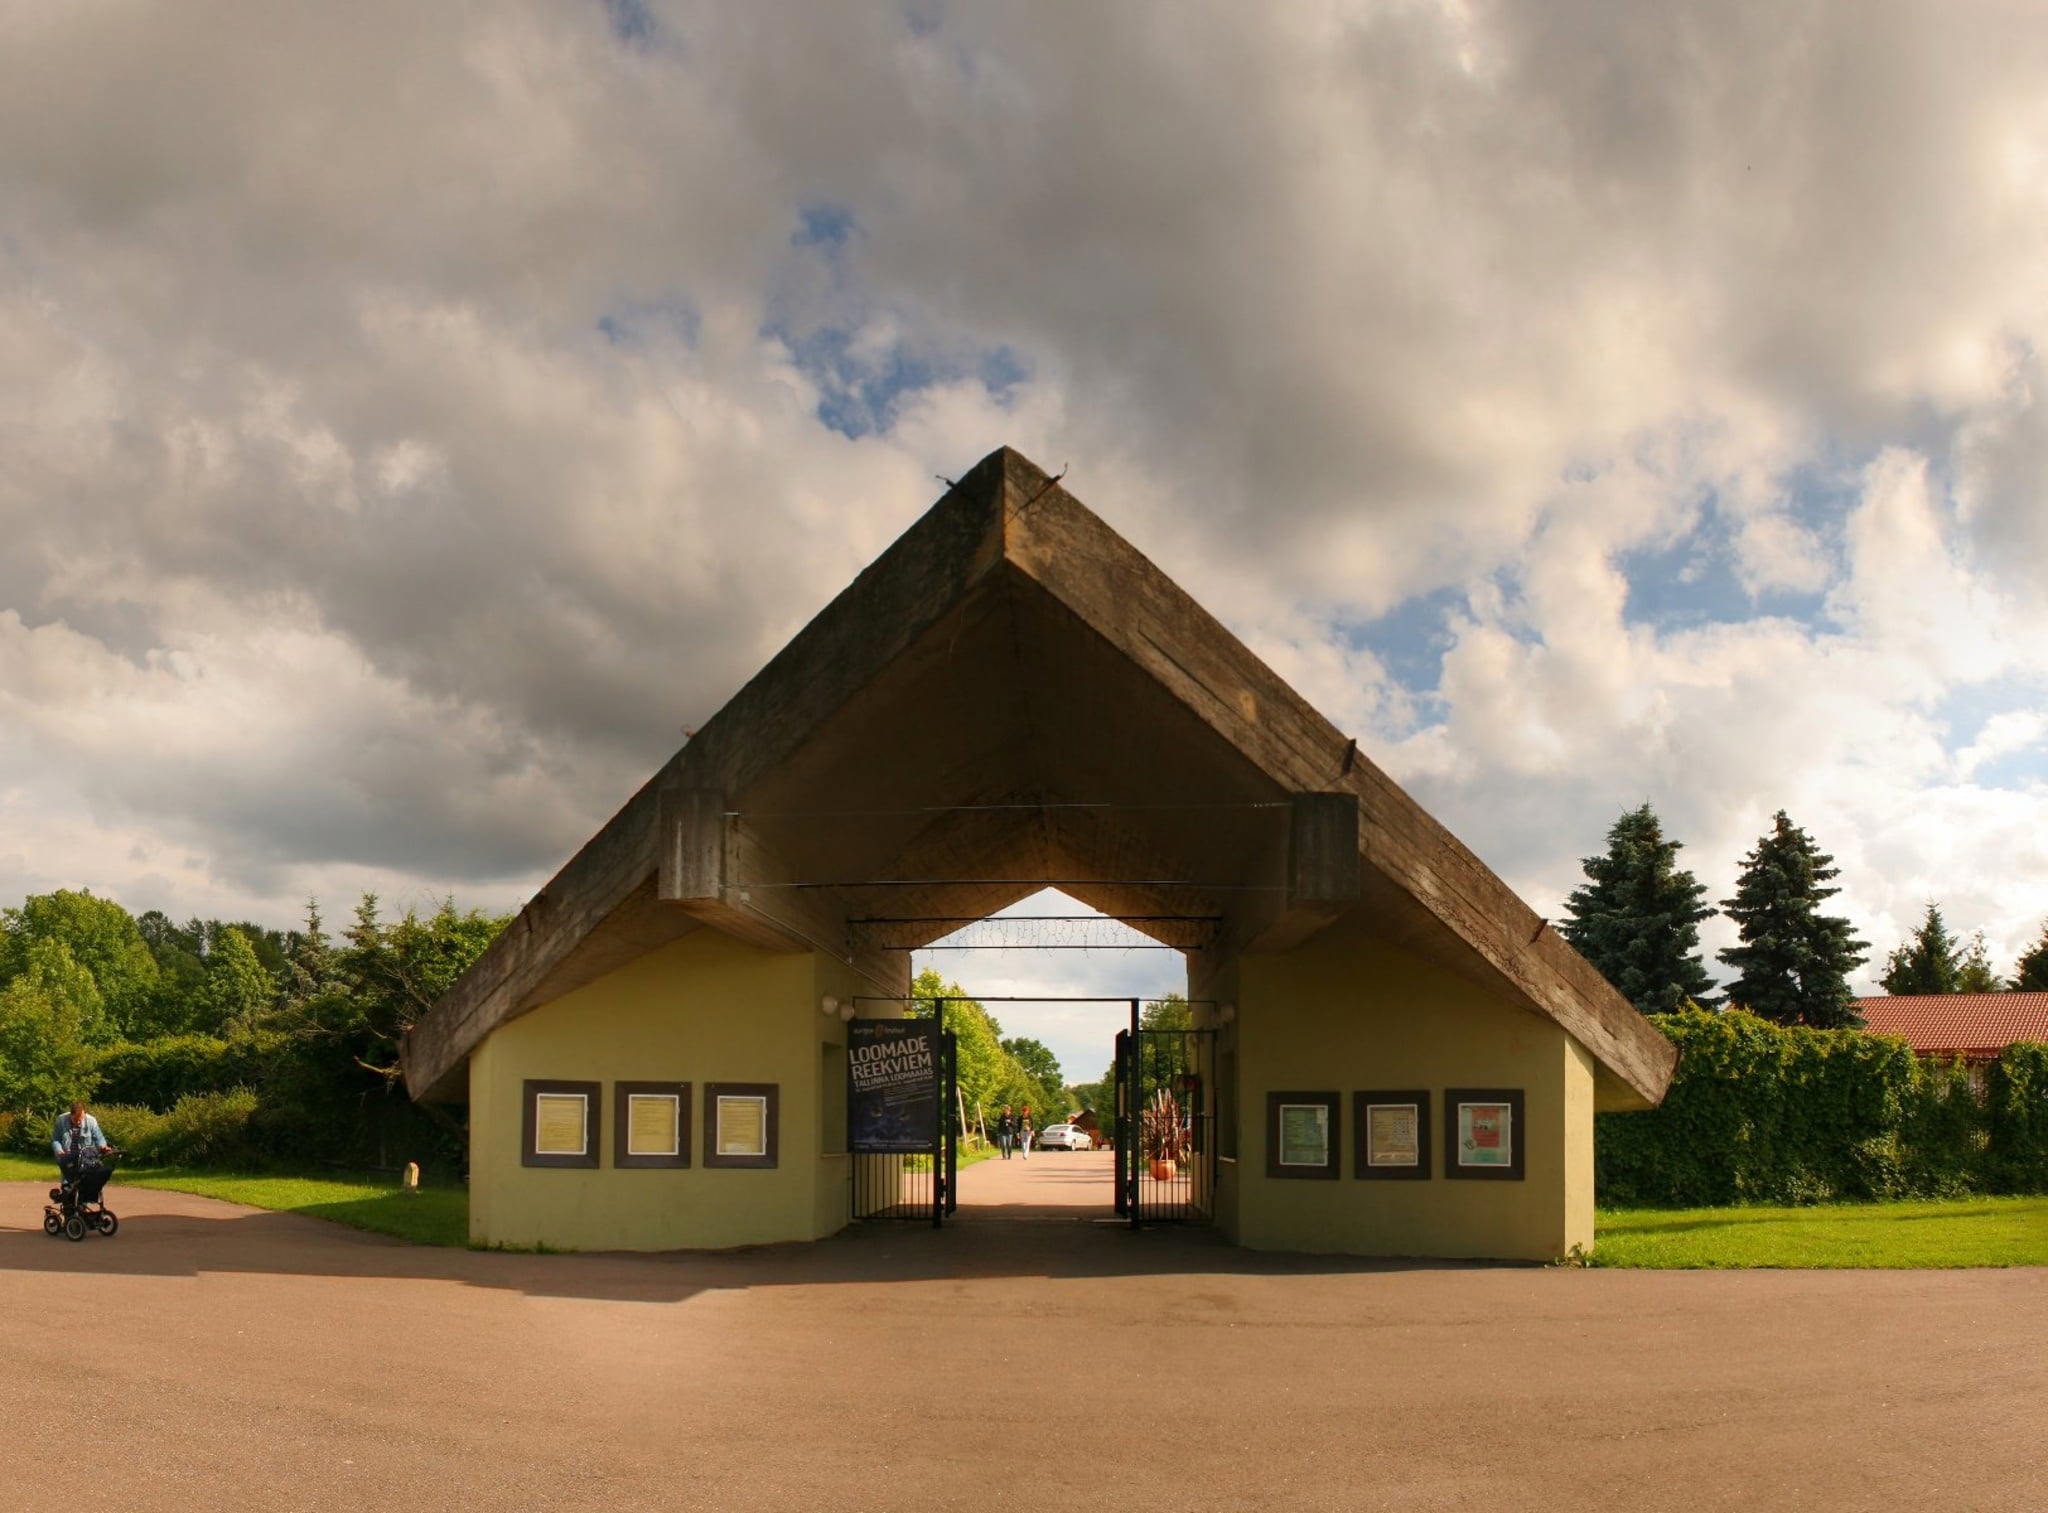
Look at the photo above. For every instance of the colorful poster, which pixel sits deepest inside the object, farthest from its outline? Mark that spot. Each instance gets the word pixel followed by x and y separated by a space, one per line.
pixel 1486 1134
pixel 653 1124
pixel 1304 1134
pixel 1393 1134
pixel 560 1124
pixel 742 1125
pixel 892 1092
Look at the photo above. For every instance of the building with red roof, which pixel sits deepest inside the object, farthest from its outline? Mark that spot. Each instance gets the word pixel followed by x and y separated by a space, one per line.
pixel 1972 1026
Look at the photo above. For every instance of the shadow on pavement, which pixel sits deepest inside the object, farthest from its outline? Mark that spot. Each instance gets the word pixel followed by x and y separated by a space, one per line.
pixel 177 1234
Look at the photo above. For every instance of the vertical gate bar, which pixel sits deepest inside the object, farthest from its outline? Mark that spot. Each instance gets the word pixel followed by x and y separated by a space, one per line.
pixel 949 1113
pixel 938 1100
pixel 1137 1100
pixel 1120 1131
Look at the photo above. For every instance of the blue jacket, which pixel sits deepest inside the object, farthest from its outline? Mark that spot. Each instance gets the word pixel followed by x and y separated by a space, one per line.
pixel 67 1139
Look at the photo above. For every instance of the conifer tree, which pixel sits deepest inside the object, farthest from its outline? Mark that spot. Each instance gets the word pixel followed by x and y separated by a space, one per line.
pixel 1637 917
pixel 1793 963
pixel 312 966
pixel 1975 975
pixel 1931 960
pixel 2030 972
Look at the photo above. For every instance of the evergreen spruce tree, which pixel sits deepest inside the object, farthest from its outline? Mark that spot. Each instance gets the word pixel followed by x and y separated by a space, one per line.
pixel 1637 917
pixel 2030 972
pixel 1930 961
pixel 312 967
pixel 1794 962
pixel 1975 974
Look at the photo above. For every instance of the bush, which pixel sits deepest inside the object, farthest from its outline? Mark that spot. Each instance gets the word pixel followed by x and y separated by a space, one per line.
pixel 1758 1113
pixel 2016 1108
pixel 157 1073
pixel 201 1129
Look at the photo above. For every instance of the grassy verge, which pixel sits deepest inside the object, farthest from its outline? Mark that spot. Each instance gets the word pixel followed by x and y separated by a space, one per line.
pixel 432 1216
pixel 1959 1232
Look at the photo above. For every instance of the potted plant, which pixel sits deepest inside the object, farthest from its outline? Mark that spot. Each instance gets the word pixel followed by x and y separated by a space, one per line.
pixel 1162 1136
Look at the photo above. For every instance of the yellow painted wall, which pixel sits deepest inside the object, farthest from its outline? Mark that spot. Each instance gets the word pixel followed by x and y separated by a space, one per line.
pixel 1344 1013
pixel 701 1009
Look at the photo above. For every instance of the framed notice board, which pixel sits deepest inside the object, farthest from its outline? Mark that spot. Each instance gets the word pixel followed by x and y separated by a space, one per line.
pixel 1391 1135
pixel 1484 1133
pixel 741 1122
pixel 1302 1135
pixel 558 1123
pixel 650 1124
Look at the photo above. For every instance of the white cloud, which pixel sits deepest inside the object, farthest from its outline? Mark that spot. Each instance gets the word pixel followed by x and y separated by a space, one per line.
pixel 412 416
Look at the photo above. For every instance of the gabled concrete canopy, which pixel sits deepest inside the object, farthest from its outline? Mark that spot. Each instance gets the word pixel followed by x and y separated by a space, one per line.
pixel 1009 697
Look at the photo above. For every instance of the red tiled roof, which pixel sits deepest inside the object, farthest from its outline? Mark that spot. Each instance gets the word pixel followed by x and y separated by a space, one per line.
pixel 1958 1023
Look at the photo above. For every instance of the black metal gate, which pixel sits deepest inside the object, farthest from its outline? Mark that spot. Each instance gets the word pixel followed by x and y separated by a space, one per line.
pixel 1165 1124
pixel 904 1170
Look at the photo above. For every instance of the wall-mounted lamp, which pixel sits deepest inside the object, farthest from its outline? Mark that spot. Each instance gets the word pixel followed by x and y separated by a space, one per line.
pixel 1226 1013
pixel 848 1010
pixel 828 1006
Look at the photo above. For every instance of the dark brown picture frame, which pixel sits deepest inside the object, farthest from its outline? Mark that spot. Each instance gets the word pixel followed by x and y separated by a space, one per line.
pixel 1518 1131
pixel 713 1091
pixel 1361 1127
pixel 622 1108
pixel 1334 1102
pixel 529 1124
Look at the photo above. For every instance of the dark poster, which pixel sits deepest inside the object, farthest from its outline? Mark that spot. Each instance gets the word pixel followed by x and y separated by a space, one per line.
pixel 892 1095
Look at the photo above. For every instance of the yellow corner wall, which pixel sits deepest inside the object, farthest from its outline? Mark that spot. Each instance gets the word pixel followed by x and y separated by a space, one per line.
pixel 1344 1013
pixel 701 1009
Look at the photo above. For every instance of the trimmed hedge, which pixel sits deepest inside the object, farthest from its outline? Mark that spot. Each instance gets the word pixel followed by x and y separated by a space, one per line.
pixel 155 1074
pixel 1759 1113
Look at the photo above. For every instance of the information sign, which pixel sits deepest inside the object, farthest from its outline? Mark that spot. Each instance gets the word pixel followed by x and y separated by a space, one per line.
pixel 560 1124
pixel 892 1095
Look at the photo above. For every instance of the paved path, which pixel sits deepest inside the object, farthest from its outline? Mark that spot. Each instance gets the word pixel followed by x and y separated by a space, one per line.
pixel 211 1356
pixel 1046 1185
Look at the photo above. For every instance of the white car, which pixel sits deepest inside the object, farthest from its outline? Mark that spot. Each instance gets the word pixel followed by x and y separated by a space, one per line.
pixel 1062 1137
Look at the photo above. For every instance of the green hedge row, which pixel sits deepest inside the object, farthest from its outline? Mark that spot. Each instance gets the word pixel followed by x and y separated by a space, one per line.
pixel 1759 1113
pixel 260 1098
pixel 155 1074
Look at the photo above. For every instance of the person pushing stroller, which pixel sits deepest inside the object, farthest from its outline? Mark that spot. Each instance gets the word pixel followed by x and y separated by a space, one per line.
pixel 84 1161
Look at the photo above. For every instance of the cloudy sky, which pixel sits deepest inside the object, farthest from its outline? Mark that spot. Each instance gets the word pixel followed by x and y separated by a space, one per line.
pixel 411 417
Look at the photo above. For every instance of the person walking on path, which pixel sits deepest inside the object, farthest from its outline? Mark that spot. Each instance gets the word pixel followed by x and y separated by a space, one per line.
pixel 1024 1132
pixel 1006 1131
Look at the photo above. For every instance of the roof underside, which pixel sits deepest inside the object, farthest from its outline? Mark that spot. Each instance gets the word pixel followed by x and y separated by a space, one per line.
pixel 1012 697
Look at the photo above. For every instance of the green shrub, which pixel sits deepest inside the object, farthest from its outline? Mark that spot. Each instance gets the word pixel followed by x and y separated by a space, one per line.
pixel 1759 1113
pixel 2016 1108
pixel 157 1073
pixel 201 1129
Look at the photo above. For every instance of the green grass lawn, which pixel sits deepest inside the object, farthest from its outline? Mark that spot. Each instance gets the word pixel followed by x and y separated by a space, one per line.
pixel 432 1216
pixel 1958 1232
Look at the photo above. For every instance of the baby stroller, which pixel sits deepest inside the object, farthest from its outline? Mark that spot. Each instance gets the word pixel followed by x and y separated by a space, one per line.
pixel 78 1206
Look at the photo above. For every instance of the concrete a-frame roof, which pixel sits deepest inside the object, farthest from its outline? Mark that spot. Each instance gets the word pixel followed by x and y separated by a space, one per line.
pixel 1012 696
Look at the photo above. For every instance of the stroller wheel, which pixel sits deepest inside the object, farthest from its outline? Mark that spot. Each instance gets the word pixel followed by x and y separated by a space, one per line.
pixel 108 1223
pixel 52 1225
pixel 74 1228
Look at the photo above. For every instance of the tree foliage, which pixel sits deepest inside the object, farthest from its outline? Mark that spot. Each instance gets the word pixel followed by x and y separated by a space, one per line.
pixel 991 1074
pixel 1793 964
pixel 225 1013
pixel 100 936
pixel 1929 961
pixel 2030 972
pixel 1637 917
